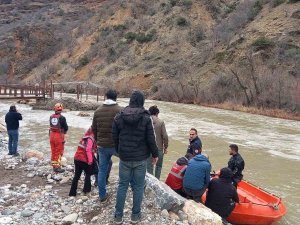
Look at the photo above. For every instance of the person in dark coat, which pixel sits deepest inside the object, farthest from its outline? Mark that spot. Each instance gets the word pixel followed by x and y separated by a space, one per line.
pixel 195 146
pixel 12 124
pixel 236 164
pixel 222 195
pixel 134 139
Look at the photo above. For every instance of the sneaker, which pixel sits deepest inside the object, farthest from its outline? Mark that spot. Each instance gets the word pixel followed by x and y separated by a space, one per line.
pixel 103 200
pixel 118 220
pixel 58 170
pixel 135 219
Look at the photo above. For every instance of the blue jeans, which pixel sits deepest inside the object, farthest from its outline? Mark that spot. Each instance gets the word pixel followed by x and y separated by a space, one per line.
pixel 105 155
pixel 13 139
pixel 134 173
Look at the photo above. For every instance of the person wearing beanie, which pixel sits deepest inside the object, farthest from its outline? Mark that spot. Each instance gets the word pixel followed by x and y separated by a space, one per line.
pixel 222 195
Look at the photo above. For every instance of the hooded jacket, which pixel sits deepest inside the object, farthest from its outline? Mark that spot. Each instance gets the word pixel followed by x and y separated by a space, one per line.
pixel 133 132
pixel 102 123
pixel 197 174
pixel 221 193
pixel 174 179
pixel 12 119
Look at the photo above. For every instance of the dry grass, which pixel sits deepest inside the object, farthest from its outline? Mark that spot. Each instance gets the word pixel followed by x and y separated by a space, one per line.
pixel 277 113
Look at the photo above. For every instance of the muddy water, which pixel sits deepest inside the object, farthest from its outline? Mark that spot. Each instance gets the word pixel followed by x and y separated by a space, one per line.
pixel 270 147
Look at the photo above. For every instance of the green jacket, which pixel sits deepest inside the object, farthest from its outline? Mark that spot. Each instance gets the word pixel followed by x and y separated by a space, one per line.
pixel 102 123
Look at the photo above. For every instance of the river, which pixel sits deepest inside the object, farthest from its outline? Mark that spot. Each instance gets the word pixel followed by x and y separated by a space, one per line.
pixel 269 146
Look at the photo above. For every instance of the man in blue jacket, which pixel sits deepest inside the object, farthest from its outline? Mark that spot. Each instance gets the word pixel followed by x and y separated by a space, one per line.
pixel 12 123
pixel 196 177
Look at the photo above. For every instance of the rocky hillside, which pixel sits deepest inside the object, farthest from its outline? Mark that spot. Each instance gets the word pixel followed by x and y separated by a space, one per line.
pixel 195 51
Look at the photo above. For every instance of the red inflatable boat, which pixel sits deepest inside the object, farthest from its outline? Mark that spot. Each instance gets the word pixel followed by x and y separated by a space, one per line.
pixel 256 206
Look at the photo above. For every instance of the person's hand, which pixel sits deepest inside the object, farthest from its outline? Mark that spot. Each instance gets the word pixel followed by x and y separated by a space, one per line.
pixel 166 151
pixel 154 160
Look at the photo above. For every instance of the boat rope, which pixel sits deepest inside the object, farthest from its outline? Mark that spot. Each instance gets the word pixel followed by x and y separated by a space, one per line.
pixel 274 206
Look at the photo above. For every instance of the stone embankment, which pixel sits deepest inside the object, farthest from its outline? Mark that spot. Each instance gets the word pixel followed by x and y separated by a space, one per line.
pixel 30 193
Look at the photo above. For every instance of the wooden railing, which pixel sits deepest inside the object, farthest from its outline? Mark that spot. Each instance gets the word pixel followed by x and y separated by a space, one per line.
pixel 16 91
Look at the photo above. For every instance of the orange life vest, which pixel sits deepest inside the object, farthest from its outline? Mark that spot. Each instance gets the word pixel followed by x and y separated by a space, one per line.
pixel 81 149
pixel 175 177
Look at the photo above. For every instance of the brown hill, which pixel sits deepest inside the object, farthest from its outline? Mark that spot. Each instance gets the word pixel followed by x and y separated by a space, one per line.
pixel 197 51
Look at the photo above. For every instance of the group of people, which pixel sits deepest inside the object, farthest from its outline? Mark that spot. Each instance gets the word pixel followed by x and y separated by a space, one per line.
pixel 191 176
pixel 139 138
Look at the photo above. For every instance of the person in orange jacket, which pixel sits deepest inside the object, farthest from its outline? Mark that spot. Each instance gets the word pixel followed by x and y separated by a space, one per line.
pixel 175 177
pixel 57 131
pixel 83 160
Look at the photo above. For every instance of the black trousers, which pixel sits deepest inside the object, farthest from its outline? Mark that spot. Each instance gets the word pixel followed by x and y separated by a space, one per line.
pixel 79 167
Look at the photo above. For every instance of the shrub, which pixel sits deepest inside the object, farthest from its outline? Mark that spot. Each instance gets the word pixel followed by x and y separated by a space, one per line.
pixel 141 37
pixel 256 8
pixel 119 27
pixel 293 1
pixel 262 43
pixel 187 3
pixel 276 3
pixel 181 21
pixel 130 36
pixel 64 61
pixel 84 61
pixel 173 2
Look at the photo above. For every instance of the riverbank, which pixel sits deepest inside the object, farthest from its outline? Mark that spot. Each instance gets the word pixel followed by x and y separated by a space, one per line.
pixel 30 193
pixel 275 113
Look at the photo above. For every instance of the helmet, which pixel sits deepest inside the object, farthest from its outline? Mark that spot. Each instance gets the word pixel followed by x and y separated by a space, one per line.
pixel 58 107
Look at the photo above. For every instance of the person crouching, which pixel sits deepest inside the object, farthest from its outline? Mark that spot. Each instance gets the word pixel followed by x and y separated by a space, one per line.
pixel 175 177
pixel 83 160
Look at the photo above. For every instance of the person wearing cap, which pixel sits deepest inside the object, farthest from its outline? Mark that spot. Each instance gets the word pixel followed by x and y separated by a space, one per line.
pixel 222 195
pixel 195 146
pixel 236 163
pixel 134 138
pixel 161 141
pixel 12 124
pixel 57 131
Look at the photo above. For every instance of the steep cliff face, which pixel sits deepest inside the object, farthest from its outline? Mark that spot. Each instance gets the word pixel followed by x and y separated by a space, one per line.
pixel 245 52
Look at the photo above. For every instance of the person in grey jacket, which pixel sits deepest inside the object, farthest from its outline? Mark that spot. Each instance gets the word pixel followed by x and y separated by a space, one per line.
pixel 12 123
pixel 161 141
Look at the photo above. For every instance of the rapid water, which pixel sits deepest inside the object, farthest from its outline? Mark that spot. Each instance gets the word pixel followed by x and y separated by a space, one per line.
pixel 269 146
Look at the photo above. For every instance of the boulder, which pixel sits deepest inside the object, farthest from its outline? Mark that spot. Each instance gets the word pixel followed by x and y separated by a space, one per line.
pixel 198 214
pixel 34 153
pixel 163 196
pixel 296 14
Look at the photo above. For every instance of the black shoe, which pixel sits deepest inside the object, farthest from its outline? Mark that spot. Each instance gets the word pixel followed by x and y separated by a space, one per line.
pixel 103 200
pixel 135 219
pixel 17 154
pixel 58 170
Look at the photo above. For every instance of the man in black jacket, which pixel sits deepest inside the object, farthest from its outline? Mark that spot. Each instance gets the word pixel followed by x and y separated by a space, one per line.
pixel 134 140
pixel 222 195
pixel 236 164
pixel 12 123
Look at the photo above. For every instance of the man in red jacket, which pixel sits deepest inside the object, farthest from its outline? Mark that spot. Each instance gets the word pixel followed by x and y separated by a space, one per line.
pixel 175 177
pixel 58 129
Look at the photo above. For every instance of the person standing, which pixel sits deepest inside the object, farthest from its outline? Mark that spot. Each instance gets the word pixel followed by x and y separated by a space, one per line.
pixel 236 163
pixel 195 146
pixel 102 128
pixel 196 177
pixel 83 161
pixel 222 195
pixel 12 124
pixel 134 139
pixel 161 141
pixel 57 131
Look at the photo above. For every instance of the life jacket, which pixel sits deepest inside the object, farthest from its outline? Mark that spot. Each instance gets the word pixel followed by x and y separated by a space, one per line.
pixel 55 123
pixel 81 154
pixel 175 177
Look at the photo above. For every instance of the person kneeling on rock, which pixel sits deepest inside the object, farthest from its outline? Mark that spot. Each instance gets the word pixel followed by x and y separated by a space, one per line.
pixel 84 161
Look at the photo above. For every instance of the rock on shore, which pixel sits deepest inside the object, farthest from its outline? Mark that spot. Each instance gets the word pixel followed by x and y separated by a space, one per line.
pixel 30 193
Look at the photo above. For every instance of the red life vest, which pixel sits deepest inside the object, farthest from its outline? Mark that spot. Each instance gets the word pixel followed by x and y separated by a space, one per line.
pixel 175 177
pixel 81 149
pixel 55 123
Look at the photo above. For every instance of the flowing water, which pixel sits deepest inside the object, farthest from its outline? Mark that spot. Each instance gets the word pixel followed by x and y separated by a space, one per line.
pixel 269 146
